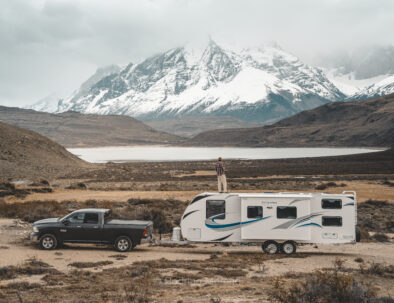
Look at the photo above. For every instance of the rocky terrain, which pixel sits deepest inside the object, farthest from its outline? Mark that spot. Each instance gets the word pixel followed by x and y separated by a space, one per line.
pixel 73 129
pixel 24 153
pixel 361 123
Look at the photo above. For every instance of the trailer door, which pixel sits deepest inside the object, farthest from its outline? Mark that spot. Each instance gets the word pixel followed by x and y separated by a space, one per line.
pixel 253 215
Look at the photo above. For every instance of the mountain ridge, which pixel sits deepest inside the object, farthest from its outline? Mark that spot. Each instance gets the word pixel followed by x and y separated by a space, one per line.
pixel 258 84
pixel 368 123
pixel 73 129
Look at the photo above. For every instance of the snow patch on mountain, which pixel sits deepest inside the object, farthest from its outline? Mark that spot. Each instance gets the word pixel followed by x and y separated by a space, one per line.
pixel 47 104
pixel 381 88
pixel 254 83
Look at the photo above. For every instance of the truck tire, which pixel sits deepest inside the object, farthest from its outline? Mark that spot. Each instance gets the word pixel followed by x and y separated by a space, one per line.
pixel 270 247
pixel 123 244
pixel 288 248
pixel 48 242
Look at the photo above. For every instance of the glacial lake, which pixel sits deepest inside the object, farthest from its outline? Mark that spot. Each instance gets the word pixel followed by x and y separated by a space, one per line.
pixel 170 153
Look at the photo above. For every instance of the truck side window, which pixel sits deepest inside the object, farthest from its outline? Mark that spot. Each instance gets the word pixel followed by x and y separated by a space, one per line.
pixel 286 212
pixel 77 218
pixel 91 218
pixel 216 207
pixel 331 221
pixel 331 203
pixel 255 211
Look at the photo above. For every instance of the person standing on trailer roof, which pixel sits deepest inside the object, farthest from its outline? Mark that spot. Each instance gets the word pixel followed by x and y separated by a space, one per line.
pixel 220 172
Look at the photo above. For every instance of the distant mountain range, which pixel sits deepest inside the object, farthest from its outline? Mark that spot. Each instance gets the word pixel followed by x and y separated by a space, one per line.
pixel 260 84
pixel 254 84
pixel 72 129
pixel 368 123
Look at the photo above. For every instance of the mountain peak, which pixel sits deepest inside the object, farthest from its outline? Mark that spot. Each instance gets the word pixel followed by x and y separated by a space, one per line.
pixel 208 78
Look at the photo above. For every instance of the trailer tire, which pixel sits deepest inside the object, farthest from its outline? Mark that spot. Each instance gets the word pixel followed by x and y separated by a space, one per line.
pixel 270 247
pixel 288 247
pixel 123 244
pixel 48 242
pixel 358 234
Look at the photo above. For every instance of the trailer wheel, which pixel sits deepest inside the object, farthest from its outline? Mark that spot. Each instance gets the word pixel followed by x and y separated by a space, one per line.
pixel 289 247
pixel 123 244
pixel 270 247
pixel 358 234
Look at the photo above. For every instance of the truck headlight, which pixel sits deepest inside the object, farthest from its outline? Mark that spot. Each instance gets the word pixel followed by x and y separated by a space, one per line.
pixel 35 229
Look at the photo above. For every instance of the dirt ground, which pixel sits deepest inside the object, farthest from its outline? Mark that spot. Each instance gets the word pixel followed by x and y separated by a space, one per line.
pixel 15 251
pixel 195 272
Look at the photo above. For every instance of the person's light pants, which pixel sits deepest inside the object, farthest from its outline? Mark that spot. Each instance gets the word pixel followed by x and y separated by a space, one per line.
pixel 222 184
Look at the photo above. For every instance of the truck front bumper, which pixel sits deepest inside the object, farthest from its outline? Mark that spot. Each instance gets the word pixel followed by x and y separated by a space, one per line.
pixel 34 237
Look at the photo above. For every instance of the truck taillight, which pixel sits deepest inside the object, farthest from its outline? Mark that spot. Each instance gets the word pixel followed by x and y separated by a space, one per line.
pixel 145 233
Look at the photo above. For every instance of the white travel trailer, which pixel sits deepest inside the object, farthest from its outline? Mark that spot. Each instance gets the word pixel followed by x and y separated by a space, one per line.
pixel 277 220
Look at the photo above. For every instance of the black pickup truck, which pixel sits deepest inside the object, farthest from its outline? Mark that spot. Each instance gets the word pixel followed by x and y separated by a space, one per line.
pixel 93 225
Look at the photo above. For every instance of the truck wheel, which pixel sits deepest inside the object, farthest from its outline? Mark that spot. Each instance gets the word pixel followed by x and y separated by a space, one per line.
pixel 270 247
pixel 123 244
pixel 48 242
pixel 289 247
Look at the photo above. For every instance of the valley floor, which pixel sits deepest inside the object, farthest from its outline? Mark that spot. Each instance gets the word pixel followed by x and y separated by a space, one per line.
pixel 195 272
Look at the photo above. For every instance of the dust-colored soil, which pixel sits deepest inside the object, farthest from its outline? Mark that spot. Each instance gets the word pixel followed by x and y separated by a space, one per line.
pixel 198 272
pixel 258 269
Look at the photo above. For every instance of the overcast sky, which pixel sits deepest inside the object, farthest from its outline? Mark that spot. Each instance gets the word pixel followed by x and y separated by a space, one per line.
pixel 53 46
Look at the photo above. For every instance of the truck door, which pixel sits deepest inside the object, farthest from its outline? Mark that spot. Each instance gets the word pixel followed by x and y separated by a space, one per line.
pixel 82 227
pixel 90 230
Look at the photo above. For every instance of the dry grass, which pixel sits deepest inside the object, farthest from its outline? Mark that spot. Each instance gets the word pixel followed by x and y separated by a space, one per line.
pixel 30 267
pixel 90 264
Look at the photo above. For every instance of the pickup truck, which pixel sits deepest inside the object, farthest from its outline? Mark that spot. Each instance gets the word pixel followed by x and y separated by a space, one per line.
pixel 92 225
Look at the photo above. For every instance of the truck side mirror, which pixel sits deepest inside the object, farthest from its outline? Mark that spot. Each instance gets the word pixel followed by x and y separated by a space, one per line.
pixel 66 222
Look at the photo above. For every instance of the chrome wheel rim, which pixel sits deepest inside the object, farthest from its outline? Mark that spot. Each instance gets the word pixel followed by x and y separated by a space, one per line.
pixel 288 248
pixel 123 244
pixel 47 242
pixel 271 248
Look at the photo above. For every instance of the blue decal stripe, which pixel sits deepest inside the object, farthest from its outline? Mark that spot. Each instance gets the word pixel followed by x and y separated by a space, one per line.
pixel 232 224
pixel 310 224
pixel 349 204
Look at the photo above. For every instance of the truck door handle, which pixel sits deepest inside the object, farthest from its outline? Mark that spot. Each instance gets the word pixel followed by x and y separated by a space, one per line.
pixel 79 226
pixel 95 226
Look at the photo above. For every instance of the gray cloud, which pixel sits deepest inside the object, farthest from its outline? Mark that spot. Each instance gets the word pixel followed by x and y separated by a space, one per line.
pixel 52 46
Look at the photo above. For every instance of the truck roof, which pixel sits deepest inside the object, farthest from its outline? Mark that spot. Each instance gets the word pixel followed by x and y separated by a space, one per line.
pixel 92 210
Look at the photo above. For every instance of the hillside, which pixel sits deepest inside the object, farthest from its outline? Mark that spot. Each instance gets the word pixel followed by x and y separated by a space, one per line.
pixel 191 126
pixel 72 129
pixel 360 123
pixel 26 154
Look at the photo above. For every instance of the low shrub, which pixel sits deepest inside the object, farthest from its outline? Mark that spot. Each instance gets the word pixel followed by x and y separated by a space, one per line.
pixel 323 286
pixel 90 264
pixel 380 237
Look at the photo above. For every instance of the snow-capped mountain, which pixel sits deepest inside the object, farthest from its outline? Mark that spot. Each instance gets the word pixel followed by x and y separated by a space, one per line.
pixel 263 83
pixel 47 104
pixel 381 88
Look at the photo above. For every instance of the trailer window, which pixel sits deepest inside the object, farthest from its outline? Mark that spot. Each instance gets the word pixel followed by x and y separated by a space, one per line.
pixel 91 218
pixel 255 211
pixel 286 212
pixel 332 221
pixel 331 203
pixel 215 208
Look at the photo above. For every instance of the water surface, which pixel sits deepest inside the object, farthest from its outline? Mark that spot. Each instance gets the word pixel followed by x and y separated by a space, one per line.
pixel 170 153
